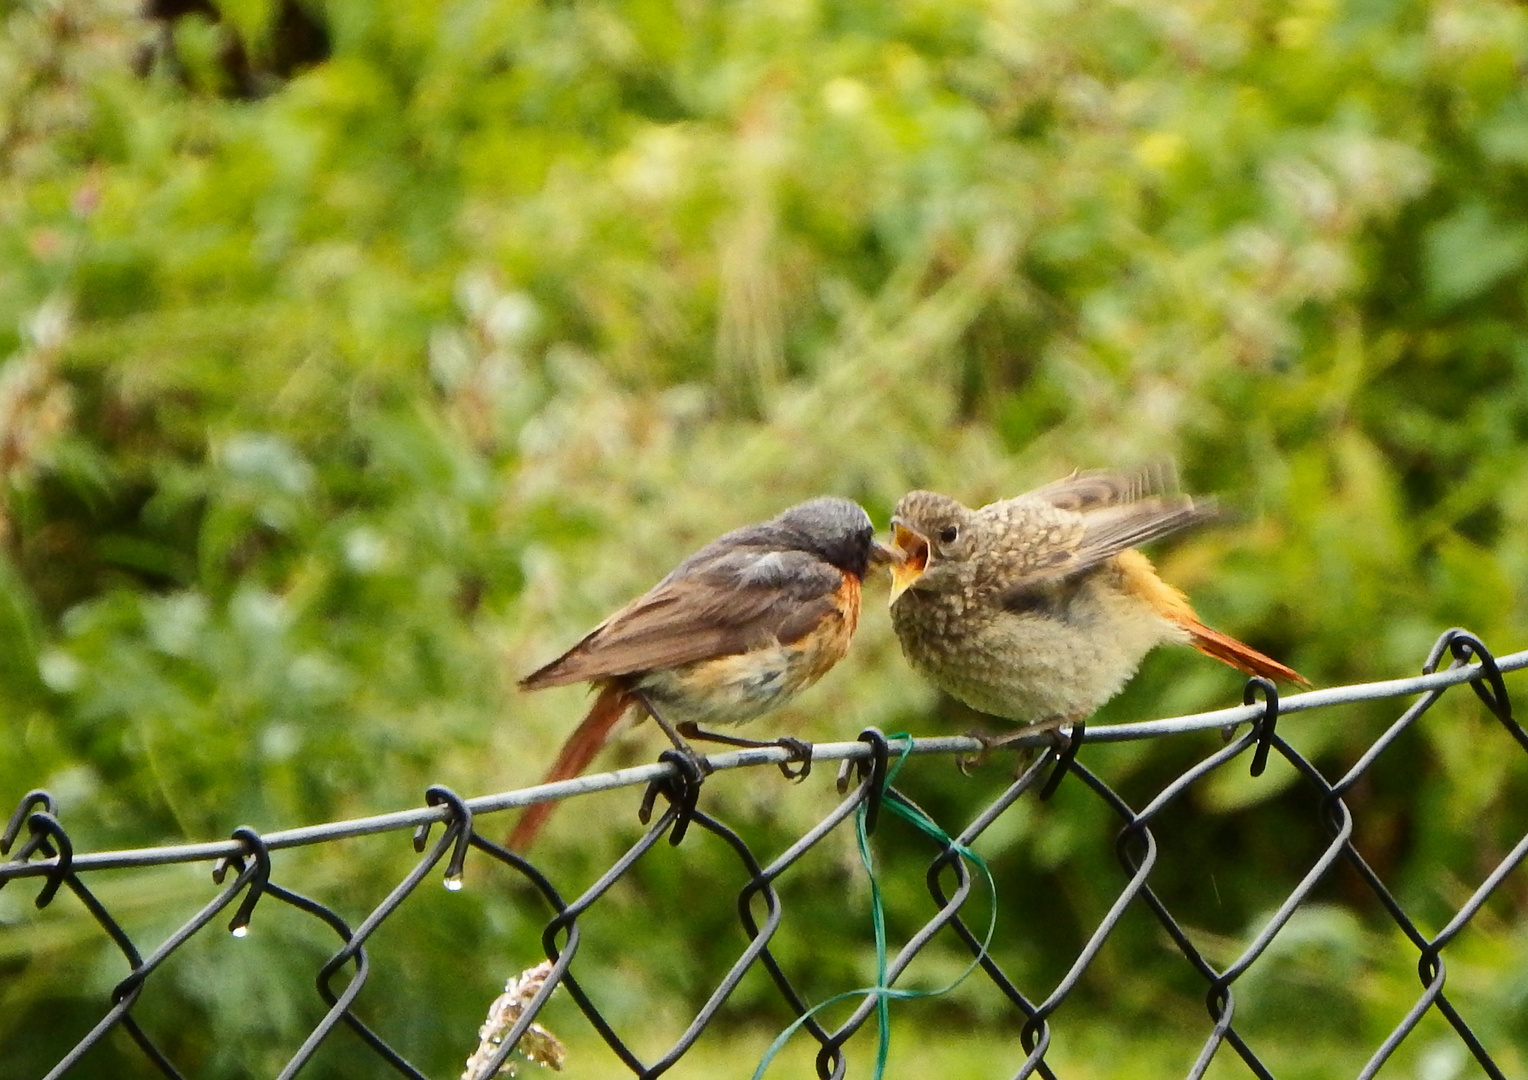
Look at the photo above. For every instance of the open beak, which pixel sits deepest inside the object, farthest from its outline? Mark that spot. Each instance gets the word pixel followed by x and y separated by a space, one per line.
pixel 914 561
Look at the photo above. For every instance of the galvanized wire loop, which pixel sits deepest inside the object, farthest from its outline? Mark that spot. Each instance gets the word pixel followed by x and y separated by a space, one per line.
pixel 458 825
pixel 49 837
pixel 871 773
pixel 260 863
pixel 681 787
pixel 1257 685
pixel 1491 688
pixel 831 1063
pixel 1064 759
pixel 37 799
pixel 1488 685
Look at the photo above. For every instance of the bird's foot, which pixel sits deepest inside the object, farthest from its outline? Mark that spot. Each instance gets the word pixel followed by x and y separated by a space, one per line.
pixel 969 763
pixel 698 761
pixel 699 764
pixel 799 750
pixel 1051 726
pixel 676 735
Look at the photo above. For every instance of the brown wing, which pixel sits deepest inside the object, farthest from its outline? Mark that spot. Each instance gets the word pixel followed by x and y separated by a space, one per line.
pixel 1069 543
pixel 715 604
pixel 1091 490
pixel 1106 533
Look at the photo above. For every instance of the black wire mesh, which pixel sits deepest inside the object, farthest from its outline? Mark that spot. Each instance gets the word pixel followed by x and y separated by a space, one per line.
pixel 43 850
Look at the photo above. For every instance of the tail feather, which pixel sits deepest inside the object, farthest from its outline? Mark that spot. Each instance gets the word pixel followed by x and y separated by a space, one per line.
pixel 573 759
pixel 1240 656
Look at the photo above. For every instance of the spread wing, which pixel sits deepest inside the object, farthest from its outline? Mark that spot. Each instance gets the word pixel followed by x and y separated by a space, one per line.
pixel 720 601
pixel 1065 529
pixel 1094 489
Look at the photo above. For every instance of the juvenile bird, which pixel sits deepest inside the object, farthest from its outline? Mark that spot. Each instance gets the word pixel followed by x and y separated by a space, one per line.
pixel 1038 608
pixel 736 630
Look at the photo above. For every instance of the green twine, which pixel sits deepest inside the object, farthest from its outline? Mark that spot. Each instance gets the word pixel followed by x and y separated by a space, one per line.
pixel 881 991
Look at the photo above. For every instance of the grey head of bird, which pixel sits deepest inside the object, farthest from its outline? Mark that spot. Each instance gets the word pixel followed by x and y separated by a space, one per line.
pixel 834 529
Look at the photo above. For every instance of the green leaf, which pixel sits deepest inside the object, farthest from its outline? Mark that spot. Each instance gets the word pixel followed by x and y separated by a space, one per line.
pixel 1470 251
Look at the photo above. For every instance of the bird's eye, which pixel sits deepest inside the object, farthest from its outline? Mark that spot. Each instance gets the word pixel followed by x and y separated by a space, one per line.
pixel 949 534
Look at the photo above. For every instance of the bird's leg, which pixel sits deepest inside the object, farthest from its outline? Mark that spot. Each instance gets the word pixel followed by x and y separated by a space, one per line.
pixel 799 750
pixel 697 759
pixel 1051 724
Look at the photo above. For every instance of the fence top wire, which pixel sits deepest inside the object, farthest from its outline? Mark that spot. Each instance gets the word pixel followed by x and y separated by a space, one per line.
pixel 838 751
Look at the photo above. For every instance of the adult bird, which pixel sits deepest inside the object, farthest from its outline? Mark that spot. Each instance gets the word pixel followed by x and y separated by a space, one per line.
pixel 733 632
pixel 1038 609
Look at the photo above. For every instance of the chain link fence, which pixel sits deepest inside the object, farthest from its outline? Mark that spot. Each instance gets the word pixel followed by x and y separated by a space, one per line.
pixel 41 854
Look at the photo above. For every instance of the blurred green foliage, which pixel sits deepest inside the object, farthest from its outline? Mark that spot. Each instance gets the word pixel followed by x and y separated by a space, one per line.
pixel 361 355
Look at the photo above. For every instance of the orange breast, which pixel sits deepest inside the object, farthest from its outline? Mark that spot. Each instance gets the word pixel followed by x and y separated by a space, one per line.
pixel 828 644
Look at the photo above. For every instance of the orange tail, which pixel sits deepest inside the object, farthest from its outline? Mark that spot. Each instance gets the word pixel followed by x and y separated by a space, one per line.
pixel 576 754
pixel 1240 656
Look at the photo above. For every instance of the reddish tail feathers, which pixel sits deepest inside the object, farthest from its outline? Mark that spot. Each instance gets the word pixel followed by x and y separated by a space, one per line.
pixel 1240 656
pixel 576 754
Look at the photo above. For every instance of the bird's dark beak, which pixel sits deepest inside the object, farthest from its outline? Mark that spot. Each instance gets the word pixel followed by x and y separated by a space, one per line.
pixel 886 555
pixel 907 570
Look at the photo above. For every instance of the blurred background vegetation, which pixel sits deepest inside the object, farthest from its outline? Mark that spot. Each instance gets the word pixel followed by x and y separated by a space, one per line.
pixel 361 355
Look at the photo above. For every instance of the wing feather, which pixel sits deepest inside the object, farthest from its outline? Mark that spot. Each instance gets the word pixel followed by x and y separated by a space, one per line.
pixel 1093 489
pixel 1121 512
pixel 716 603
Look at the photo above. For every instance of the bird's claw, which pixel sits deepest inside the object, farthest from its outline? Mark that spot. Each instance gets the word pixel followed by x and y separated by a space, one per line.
pixel 969 763
pixel 701 764
pixel 800 752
